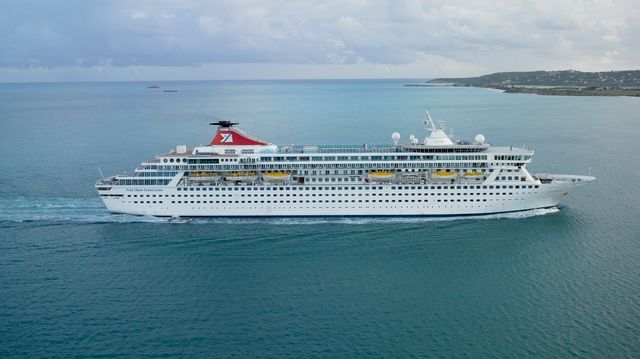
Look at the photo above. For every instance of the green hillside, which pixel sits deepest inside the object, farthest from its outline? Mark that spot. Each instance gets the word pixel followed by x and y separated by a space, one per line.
pixel 569 82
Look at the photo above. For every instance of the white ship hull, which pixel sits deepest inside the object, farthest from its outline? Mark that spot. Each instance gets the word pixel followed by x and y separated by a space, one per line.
pixel 262 180
pixel 356 200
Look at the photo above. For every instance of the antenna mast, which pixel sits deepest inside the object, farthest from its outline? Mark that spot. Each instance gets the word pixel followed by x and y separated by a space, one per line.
pixel 428 121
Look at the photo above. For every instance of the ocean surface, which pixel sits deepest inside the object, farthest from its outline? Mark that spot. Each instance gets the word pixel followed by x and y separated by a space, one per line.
pixel 76 281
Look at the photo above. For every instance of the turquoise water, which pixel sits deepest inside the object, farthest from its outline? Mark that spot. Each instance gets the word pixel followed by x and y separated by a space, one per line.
pixel 77 281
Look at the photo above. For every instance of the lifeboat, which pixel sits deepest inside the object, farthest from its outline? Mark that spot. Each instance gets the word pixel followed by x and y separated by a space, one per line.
pixel 381 176
pixel 241 176
pixel 204 176
pixel 473 174
pixel 444 175
pixel 276 176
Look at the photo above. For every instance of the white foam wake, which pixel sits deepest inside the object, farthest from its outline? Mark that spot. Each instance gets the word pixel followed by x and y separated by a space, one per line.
pixel 84 210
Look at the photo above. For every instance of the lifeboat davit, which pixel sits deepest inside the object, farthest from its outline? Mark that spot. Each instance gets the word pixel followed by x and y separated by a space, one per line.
pixel 381 176
pixel 277 176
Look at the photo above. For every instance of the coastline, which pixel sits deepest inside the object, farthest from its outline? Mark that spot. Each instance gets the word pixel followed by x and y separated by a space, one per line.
pixel 554 83
pixel 549 90
pixel 571 91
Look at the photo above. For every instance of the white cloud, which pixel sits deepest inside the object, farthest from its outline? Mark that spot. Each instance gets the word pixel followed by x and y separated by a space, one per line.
pixel 210 25
pixel 383 37
pixel 137 14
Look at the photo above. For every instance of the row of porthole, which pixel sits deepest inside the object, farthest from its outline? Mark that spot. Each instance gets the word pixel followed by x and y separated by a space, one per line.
pixel 177 160
pixel 303 201
pixel 346 188
pixel 316 201
pixel 336 195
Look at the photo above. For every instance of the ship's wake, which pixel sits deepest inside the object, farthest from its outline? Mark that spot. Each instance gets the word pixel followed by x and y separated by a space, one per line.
pixel 91 210
pixel 80 210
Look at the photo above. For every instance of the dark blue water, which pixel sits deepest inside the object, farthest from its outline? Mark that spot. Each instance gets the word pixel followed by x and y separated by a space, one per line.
pixel 76 281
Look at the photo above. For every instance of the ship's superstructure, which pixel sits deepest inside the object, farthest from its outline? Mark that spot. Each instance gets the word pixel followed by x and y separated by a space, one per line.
pixel 237 175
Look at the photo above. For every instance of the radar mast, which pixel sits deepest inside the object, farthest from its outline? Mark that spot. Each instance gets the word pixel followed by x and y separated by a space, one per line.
pixel 428 121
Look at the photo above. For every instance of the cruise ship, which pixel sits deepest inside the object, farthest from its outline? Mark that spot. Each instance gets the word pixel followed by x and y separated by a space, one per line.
pixel 237 175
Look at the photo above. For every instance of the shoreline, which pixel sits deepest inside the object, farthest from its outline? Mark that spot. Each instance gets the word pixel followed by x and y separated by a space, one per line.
pixel 573 91
pixel 551 90
pixel 554 83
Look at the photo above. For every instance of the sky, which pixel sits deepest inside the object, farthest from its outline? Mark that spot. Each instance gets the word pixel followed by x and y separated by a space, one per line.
pixel 115 40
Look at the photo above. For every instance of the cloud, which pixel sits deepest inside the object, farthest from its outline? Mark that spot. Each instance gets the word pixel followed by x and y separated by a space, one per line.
pixel 137 14
pixel 486 35
pixel 211 25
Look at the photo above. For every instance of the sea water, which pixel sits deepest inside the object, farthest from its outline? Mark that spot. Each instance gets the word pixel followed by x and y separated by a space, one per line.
pixel 78 281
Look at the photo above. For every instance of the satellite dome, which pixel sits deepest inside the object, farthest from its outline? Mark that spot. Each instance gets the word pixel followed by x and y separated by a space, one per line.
pixel 395 137
pixel 480 138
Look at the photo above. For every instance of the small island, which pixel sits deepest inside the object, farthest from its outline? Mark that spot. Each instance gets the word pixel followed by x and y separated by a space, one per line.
pixel 563 83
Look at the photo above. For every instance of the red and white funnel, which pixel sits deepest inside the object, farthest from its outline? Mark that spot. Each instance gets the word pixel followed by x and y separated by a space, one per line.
pixel 227 135
pixel 230 140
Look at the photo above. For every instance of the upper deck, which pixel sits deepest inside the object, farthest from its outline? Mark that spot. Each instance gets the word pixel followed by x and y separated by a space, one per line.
pixel 232 146
pixel 343 149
